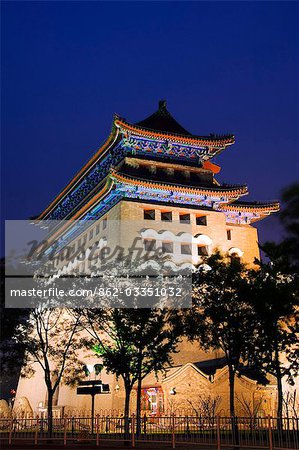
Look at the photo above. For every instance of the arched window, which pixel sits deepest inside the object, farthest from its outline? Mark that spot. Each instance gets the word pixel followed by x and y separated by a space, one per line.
pixel 235 254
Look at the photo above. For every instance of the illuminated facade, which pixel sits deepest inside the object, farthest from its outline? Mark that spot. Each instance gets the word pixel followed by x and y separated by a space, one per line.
pixel 160 177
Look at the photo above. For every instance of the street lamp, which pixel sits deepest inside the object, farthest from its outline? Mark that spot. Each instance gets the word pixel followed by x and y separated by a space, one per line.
pixel 92 387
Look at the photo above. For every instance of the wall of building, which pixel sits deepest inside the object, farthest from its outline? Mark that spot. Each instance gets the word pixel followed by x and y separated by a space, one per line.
pixel 243 237
pixel 126 221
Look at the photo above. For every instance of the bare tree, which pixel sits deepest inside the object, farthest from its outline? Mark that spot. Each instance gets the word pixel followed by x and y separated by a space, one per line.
pixel 250 408
pixel 291 404
pixel 206 407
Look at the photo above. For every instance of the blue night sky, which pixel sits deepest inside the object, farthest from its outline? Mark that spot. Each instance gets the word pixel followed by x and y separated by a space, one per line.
pixel 222 66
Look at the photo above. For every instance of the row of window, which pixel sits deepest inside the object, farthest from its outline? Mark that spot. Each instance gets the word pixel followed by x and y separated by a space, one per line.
pixel 93 232
pixel 150 245
pixel 83 240
pixel 166 216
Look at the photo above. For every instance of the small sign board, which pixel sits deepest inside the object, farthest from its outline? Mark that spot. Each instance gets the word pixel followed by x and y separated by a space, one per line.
pixel 89 390
pixel 92 387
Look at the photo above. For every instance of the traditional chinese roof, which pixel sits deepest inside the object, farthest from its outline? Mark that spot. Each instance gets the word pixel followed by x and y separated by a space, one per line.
pixel 166 126
pixel 247 212
pixel 117 183
pixel 157 170
pixel 253 206
pixel 73 183
pixel 230 191
pixel 128 138
pixel 162 120
pixel 209 367
pixel 167 163
pixel 118 186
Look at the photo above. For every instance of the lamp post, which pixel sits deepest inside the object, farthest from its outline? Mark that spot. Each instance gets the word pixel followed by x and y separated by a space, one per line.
pixel 92 387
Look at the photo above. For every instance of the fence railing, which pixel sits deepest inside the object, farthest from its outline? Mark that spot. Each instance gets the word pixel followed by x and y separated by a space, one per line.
pixel 215 432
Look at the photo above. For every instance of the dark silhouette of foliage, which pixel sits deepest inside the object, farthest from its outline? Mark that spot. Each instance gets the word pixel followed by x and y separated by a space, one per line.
pixel 132 343
pixel 221 318
pixel 11 352
pixel 275 293
pixel 51 338
pixel 274 296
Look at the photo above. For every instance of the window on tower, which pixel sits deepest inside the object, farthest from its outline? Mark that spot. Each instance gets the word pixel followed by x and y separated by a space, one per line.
pixel 105 223
pixel 149 245
pixel 184 218
pixel 186 249
pixel 201 220
pixel 202 251
pixel 149 214
pixel 167 247
pixel 229 235
pixel 166 216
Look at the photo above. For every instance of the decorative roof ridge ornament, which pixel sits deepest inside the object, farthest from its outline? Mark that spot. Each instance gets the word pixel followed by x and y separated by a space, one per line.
pixel 162 105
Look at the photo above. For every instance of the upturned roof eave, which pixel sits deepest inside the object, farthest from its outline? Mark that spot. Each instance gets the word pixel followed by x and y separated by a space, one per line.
pixel 110 141
pixel 239 190
pixel 266 207
pixel 216 141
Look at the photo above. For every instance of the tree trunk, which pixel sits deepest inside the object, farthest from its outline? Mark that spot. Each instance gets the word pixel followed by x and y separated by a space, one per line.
pixel 234 423
pixel 231 391
pixel 138 403
pixel 127 412
pixel 279 389
pixel 50 411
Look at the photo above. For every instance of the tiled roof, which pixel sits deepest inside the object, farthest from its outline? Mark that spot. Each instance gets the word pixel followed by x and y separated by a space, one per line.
pixel 252 206
pixel 210 366
pixel 227 190
pixel 162 120
pixel 162 124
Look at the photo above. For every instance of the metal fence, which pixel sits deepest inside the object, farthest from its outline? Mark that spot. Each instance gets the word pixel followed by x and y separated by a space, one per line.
pixel 215 432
